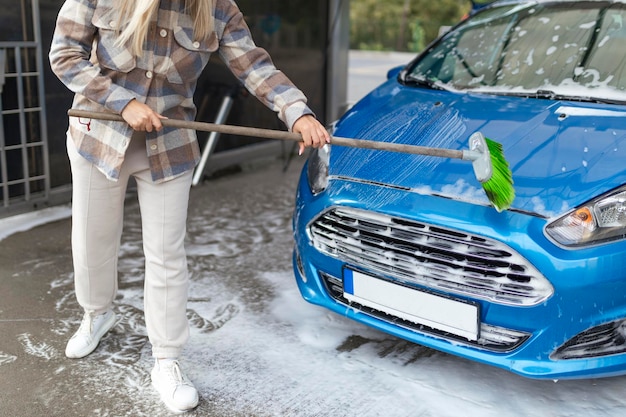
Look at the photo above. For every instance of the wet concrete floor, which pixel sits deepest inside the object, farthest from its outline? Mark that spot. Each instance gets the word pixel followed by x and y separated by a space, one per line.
pixel 239 225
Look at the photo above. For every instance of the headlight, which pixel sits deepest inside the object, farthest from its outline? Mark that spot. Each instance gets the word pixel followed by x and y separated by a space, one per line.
pixel 317 169
pixel 601 220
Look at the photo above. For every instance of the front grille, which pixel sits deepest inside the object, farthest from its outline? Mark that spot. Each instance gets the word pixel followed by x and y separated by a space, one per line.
pixel 493 338
pixel 425 255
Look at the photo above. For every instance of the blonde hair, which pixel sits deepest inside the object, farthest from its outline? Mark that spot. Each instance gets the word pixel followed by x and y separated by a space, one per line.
pixel 135 16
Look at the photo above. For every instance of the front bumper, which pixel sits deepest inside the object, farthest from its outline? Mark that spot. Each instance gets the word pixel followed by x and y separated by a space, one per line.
pixel 588 286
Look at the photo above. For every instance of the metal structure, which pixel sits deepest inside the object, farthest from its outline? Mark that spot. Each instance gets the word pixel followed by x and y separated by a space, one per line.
pixel 222 115
pixel 24 164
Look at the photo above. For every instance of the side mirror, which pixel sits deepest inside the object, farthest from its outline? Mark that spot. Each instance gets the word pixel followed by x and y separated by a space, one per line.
pixel 393 73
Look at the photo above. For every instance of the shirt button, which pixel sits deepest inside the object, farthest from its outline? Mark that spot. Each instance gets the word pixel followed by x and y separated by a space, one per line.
pixel 163 33
pixel 153 147
pixel 112 23
pixel 149 74
pixel 196 44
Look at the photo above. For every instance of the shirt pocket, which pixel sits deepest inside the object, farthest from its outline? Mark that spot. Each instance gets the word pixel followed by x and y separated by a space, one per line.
pixel 110 55
pixel 188 57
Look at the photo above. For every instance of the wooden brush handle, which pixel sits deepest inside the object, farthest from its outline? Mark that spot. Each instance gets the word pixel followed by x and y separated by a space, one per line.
pixel 279 134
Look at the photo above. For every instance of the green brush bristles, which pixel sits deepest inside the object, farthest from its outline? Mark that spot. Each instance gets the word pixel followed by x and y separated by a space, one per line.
pixel 499 188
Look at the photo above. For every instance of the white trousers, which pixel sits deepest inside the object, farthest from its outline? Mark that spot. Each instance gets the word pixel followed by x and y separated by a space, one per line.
pixel 97 217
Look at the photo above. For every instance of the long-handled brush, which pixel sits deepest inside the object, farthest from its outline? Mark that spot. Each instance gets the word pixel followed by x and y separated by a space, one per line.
pixel 490 167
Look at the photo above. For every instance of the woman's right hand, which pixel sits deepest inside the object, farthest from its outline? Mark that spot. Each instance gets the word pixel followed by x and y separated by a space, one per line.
pixel 312 131
pixel 141 117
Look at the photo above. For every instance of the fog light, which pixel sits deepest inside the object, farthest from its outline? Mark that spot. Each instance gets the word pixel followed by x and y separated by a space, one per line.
pixel 603 340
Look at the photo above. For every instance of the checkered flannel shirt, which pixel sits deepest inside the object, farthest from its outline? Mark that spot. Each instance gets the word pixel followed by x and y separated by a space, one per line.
pixel 105 77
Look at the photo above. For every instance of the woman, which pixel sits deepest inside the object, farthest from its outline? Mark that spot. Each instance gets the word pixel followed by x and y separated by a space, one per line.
pixel 141 59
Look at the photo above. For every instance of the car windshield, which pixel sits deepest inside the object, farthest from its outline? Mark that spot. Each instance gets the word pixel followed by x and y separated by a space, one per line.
pixel 574 49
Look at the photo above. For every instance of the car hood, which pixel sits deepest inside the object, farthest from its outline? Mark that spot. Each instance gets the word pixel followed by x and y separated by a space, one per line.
pixel 561 153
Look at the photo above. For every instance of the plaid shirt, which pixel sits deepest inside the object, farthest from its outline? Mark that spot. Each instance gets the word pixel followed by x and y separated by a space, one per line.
pixel 105 77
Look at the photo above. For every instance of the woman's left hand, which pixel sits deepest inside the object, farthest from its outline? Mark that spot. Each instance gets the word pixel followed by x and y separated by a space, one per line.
pixel 312 131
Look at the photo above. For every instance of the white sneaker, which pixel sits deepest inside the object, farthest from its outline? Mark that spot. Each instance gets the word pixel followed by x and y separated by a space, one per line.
pixel 88 335
pixel 175 389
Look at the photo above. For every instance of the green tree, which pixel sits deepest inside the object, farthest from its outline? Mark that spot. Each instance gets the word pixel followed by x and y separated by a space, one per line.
pixel 401 25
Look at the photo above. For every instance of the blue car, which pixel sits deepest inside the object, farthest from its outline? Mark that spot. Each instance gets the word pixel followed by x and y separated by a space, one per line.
pixel 412 246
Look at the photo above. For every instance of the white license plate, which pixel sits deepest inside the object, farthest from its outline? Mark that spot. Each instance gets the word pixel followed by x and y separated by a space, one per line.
pixel 441 313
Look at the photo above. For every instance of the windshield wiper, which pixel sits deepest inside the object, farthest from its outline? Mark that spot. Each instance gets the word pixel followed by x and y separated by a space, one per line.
pixel 547 95
pixel 410 79
pixel 551 95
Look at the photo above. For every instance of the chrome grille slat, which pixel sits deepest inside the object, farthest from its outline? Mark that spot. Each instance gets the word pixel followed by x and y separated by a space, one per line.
pixel 434 251
pixel 430 256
